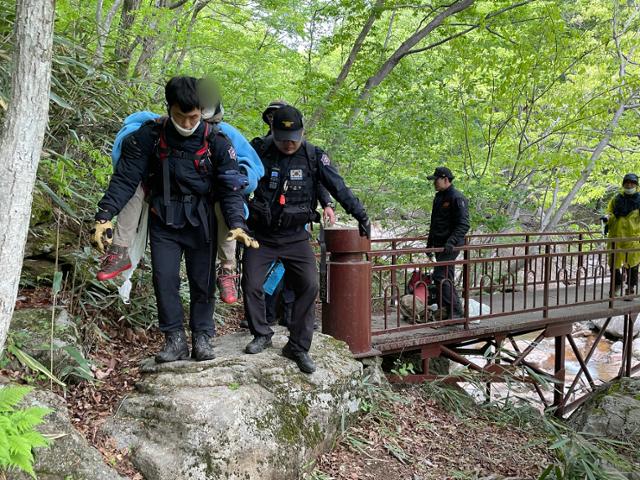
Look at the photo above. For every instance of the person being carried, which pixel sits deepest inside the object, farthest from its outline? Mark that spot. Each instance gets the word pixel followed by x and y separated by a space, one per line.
pixel 180 158
pixel 449 225
pixel 623 220
pixel 283 204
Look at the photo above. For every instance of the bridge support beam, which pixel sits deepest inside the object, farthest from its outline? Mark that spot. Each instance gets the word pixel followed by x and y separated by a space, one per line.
pixel 559 375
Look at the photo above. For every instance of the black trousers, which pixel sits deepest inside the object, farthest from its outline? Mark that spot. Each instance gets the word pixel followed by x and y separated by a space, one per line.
pixel 632 277
pixel 445 275
pixel 300 273
pixel 167 248
pixel 280 304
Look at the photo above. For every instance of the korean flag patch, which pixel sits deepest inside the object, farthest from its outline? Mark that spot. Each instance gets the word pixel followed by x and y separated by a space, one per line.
pixel 232 153
pixel 296 174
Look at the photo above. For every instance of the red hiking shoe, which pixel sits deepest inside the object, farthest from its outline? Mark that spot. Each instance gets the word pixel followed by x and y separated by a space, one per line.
pixel 227 285
pixel 115 261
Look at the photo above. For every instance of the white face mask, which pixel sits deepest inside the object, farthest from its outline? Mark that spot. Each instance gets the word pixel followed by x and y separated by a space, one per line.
pixel 630 191
pixel 184 131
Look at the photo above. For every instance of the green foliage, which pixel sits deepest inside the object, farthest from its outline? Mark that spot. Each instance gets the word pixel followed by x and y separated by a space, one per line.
pixel 32 364
pixel 17 430
pixel 402 369
pixel 581 455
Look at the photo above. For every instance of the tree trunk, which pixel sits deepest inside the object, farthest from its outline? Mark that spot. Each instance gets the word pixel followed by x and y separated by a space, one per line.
pixel 124 45
pixel 103 28
pixel 402 51
pixel 586 173
pixel 21 142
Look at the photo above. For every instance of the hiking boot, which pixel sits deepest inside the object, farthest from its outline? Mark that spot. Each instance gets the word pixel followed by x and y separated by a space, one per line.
pixel 630 294
pixel 244 323
pixel 175 348
pixel 114 262
pixel 227 286
pixel 302 359
pixel 201 348
pixel 258 344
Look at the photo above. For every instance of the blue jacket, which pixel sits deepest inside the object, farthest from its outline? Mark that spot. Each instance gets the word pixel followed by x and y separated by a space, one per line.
pixel 248 159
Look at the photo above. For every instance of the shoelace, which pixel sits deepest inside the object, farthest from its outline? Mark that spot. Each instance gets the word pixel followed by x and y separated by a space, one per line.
pixel 227 281
pixel 109 258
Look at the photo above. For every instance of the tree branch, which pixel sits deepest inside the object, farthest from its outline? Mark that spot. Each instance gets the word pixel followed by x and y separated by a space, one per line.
pixel 346 68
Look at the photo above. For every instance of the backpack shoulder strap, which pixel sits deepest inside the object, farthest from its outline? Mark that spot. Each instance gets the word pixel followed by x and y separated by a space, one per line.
pixel 267 141
pixel 312 157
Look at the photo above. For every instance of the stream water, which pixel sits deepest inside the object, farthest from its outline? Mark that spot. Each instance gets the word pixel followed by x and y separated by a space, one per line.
pixel 603 366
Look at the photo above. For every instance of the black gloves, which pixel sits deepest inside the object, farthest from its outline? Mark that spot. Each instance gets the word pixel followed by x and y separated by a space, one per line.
pixel 234 180
pixel 448 249
pixel 364 226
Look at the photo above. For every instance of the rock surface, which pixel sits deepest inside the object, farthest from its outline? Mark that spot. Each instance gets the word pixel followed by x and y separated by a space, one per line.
pixel 69 456
pixel 238 416
pixel 615 328
pixel 613 412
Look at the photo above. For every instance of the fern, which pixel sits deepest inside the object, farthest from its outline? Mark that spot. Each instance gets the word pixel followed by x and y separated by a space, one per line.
pixel 17 434
pixel 11 396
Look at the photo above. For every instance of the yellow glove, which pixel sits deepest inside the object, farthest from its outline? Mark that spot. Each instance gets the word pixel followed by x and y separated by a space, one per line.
pixel 240 235
pixel 102 234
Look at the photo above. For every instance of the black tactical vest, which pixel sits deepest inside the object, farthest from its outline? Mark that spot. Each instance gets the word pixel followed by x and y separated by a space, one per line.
pixel 181 182
pixel 286 196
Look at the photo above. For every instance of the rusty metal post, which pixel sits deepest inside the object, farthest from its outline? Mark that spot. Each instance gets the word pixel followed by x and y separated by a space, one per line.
pixel 559 374
pixel 465 285
pixel 346 314
pixel 627 355
pixel 394 260
pixel 612 274
pixel 547 279
pixel 580 257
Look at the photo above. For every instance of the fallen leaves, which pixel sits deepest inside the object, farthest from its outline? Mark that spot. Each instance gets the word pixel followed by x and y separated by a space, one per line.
pixel 412 437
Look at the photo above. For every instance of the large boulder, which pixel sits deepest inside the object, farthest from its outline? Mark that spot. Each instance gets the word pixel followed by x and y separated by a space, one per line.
pixel 613 412
pixel 69 456
pixel 238 416
pixel 636 348
pixel 615 328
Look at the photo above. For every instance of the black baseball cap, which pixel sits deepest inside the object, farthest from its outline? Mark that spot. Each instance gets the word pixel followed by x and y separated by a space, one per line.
pixel 287 124
pixel 441 172
pixel 630 177
pixel 272 107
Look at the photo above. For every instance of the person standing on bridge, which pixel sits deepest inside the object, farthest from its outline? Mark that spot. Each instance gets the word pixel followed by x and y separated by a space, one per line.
pixel 449 225
pixel 623 220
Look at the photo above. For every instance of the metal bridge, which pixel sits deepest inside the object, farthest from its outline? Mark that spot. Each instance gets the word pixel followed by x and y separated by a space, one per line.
pixel 521 284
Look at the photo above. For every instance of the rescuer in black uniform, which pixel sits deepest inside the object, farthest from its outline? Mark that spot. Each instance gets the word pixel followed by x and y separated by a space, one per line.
pixel 284 202
pixel 449 225
pixel 183 161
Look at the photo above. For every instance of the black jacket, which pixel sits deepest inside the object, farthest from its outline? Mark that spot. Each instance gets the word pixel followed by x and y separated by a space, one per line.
pixel 449 219
pixel 139 162
pixel 290 168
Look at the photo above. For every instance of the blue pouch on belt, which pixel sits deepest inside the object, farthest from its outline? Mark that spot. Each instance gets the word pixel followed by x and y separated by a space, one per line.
pixel 274 275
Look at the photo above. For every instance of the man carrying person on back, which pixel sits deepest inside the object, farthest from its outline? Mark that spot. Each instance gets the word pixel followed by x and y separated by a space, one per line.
pixel 180 159
pixel 117 257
